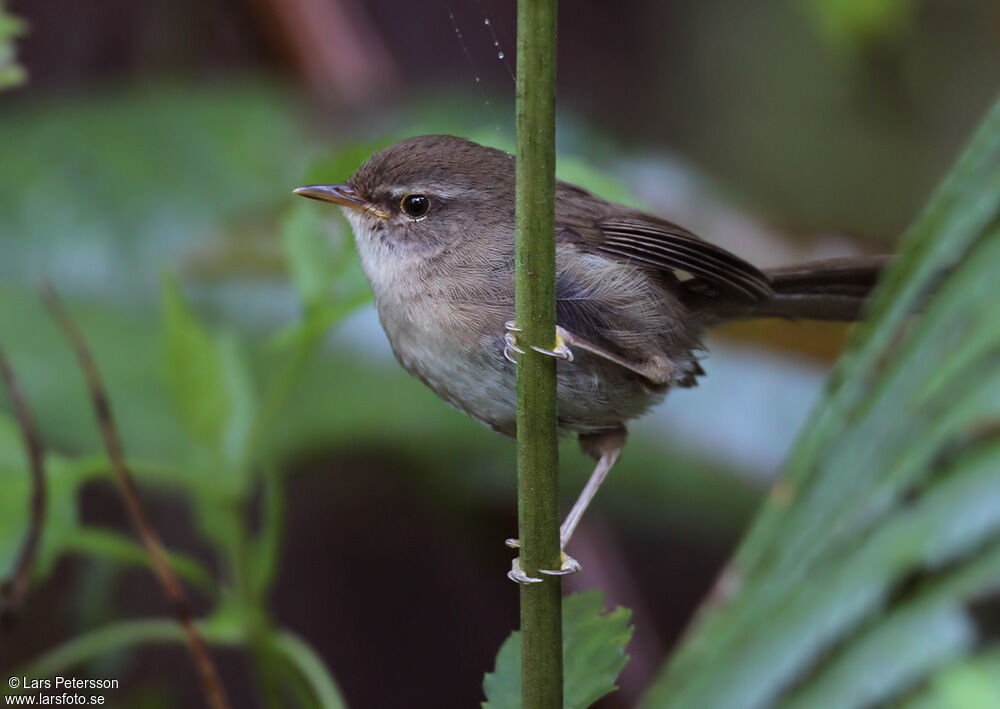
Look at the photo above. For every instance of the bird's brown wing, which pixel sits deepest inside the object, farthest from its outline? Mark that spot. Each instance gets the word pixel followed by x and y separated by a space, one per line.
pixel 657 243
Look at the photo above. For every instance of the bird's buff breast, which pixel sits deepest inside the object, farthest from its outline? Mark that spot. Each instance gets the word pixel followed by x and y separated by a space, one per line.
pixel 471 373
pixel 461 362
pixel 456 351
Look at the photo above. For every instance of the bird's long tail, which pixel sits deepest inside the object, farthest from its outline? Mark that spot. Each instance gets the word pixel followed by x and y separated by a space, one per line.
pixel 833 289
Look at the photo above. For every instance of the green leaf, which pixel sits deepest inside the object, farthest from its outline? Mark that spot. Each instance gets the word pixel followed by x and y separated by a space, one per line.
pixel 593 655
pixel 853 24
pixel 190 176
pixel 222 629
pixel 61 521
pixel 886 525
pixel 195 373
pixel 324 266
pixel 967 684
pixel 242 391
pixel 308 249
pixel 338 166
pixel 11 73
pixel 126 634
pixel 265 559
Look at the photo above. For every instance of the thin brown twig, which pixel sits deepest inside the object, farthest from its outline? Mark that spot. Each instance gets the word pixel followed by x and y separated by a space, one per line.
pixel 211 684
pixel 337 52
pixel 13 590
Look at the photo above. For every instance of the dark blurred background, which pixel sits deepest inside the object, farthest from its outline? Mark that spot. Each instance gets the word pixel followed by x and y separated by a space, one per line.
pixel 168 135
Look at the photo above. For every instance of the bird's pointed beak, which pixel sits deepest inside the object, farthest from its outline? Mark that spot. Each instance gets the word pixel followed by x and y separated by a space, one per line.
pixel 344 195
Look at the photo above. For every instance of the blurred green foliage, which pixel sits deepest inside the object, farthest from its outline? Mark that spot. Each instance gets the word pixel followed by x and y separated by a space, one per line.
pixel 854 584
pixel 100 193
pixel 858 24
pixel 816 133
pixel 196 401
pixel 966 684
pixel 196 373
pixel 11 73
pixel 63 478
pixel 213 391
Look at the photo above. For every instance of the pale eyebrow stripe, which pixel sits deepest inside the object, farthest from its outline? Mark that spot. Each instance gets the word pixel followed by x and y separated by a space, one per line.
pixel 399 192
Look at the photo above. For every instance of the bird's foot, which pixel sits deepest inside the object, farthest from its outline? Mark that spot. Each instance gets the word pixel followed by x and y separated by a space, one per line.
pixel 560 351
pixel 568 565
pixel 511 348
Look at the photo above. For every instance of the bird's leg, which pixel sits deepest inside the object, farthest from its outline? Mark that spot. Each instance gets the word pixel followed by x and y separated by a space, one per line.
pixel 605 446
pixel 659 371
pixel 568 564
pixel 601 470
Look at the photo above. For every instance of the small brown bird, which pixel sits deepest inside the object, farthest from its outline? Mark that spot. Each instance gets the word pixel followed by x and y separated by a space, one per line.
pixel 433 220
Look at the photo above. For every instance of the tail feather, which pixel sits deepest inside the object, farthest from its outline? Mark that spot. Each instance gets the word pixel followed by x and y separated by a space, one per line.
pixel 833 289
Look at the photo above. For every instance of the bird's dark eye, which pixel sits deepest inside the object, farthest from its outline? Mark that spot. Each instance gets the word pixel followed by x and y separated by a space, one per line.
pixel 415 205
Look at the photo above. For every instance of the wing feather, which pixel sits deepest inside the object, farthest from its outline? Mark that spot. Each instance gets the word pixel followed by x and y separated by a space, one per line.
pixel 669 247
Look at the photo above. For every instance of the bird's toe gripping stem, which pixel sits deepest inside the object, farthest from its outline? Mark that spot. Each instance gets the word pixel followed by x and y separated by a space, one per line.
pixel 511 348
pixel 568 565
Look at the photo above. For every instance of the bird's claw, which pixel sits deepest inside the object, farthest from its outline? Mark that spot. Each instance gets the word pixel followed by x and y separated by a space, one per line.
pixel 560 351
pixel 517 575
pixel 510 348
pixel 567 565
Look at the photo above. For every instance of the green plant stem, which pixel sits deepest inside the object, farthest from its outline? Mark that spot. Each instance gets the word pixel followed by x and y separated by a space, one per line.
pixel 119 636
pixel 115 547
pixel 537 444
pixel 126 634
pixel 311 667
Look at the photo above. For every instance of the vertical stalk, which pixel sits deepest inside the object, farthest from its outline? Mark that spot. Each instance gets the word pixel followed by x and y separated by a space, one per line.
pixel 537 445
